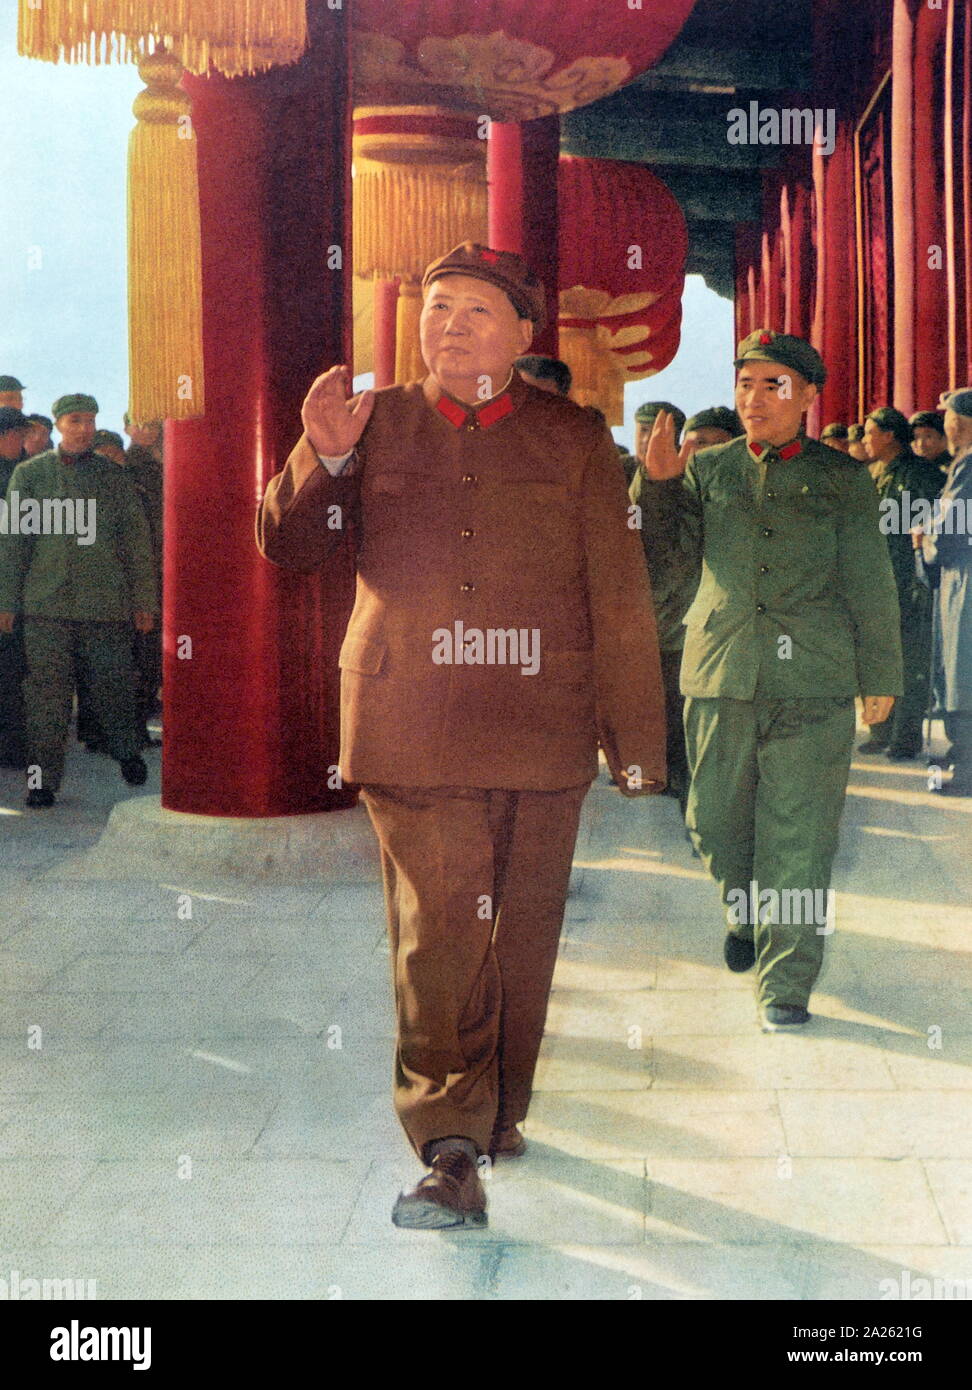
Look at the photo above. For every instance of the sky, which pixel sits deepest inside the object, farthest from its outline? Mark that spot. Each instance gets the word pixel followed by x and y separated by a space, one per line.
pixel 63 309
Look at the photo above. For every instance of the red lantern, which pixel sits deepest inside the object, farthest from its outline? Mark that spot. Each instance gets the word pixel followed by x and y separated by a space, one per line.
pixel 622 271
pixel 510 61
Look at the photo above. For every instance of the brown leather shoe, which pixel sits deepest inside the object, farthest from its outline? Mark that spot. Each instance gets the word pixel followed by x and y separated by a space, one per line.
pixel 450 1195
pixel 508 1143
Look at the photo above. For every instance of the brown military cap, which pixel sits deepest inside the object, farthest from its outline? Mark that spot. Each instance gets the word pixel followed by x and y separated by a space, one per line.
pixel 764 345
pixel 503 268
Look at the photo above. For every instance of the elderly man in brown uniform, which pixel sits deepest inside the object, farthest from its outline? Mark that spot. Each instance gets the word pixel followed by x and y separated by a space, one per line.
pixel 502 627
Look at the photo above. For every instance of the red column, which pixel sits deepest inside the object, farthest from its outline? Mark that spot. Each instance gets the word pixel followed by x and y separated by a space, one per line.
pixel 386 313
pixel 931 271
pixel 835 308
pixel 903 202
pixel 747 239
pixel 958 190
pixel 250 680
pixel 521 170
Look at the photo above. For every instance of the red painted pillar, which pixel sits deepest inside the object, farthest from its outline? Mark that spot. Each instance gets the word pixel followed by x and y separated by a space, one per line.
pixel 903 202
pixel 521 170
pixel 747 237
pixel 835 308
pixel 800 278
pixel 386 314
pixel 958 190
pixel 250 669
pixel 931 270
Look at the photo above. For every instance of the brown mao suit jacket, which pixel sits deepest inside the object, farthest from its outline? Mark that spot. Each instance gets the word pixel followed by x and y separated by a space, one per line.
pixel 510 516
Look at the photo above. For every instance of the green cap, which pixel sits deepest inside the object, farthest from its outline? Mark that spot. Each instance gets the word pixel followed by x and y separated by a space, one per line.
pixel 12 419
pixel 77 400
pixel 107 437
pixel 835 430
pixel 855 433
pixel 10 383
pixel 886 417
pixel 716 417
pixel 764 345
pixel 647 411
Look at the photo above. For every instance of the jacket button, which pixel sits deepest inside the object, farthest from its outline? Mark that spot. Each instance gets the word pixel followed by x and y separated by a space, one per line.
pixel 764 569
pixel 767 531
pixel 467 588
pixel 771 496
pixel 467 532
pixel 469 478
pixel 761 608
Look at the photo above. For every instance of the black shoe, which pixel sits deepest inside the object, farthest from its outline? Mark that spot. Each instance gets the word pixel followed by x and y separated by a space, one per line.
pixel 775 1016
pixel 134 771
pixel 953 788
pixel 872 745
pixel 40 796
pixel 740 954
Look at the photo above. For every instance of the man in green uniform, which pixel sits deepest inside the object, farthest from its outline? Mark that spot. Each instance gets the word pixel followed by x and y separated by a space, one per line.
pixel 902 480
pixel 834 436
pixel 13 432
pixel 11 392
pixel 796 614
pixel 76 562
pixel 38 438
pixel 674 569
pixel 144 461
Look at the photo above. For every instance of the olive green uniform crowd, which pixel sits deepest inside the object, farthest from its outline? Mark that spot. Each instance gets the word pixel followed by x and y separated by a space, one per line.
pixel 75 595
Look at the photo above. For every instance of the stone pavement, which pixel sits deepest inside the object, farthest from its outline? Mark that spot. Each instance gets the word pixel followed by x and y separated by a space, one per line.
pixel 198 1106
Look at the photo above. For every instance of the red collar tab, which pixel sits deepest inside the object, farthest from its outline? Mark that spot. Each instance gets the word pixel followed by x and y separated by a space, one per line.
pixel 757 450
pixel 452 412
pixel 495 410
pixel 790 451
pixel 484 416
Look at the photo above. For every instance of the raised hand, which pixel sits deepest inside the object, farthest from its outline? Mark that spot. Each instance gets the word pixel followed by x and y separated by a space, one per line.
pixel 662 459
pixel 333 422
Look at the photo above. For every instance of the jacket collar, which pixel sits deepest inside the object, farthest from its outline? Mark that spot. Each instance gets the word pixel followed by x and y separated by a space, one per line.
pixel 490 412
pixel 783 451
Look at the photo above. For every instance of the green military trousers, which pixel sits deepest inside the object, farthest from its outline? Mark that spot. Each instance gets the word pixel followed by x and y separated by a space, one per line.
pixel 769 778
pixel 102 652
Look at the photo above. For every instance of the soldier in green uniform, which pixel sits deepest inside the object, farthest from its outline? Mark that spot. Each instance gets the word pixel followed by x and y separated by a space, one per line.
pixel 14 427
pixel 674 569
pixel 902 480
pixel 11 392
pixel 834 436
pixel 144 461
pixel 796 614
pixel 76 562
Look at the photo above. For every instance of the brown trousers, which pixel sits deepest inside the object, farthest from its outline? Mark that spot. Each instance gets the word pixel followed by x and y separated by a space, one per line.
pixel 475 886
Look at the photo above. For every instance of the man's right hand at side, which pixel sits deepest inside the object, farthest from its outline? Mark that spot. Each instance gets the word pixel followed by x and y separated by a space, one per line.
pixel 662 460
pixel 7 621
pixel 334 422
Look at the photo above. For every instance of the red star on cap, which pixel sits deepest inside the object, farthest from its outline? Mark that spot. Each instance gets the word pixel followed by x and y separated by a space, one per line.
pixel 489 256
pixel 765 338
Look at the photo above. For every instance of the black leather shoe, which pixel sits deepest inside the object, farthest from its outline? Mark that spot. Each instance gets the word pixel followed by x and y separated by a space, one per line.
pixel 450 1195
pixel 872 746
pixel 134 771
pixel 775 1016
pixel 739 953
pixel 40 796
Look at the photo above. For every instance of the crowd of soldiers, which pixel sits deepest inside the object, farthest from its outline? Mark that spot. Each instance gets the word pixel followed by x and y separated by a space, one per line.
pixel 80 588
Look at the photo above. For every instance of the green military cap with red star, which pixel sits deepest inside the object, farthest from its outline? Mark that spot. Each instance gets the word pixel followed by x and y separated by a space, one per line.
pixel 764 345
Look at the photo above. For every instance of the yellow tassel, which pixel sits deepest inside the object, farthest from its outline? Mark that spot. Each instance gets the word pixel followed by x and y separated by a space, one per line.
pixel 408 348
pixel 405 214
pixel 164 258
pixel 597 378
pixel 235 36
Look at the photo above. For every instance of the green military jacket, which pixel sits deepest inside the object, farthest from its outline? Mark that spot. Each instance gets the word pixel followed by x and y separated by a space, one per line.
pixel 797 597
pixel 903 482
pixel 52 575
pixel 670 536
